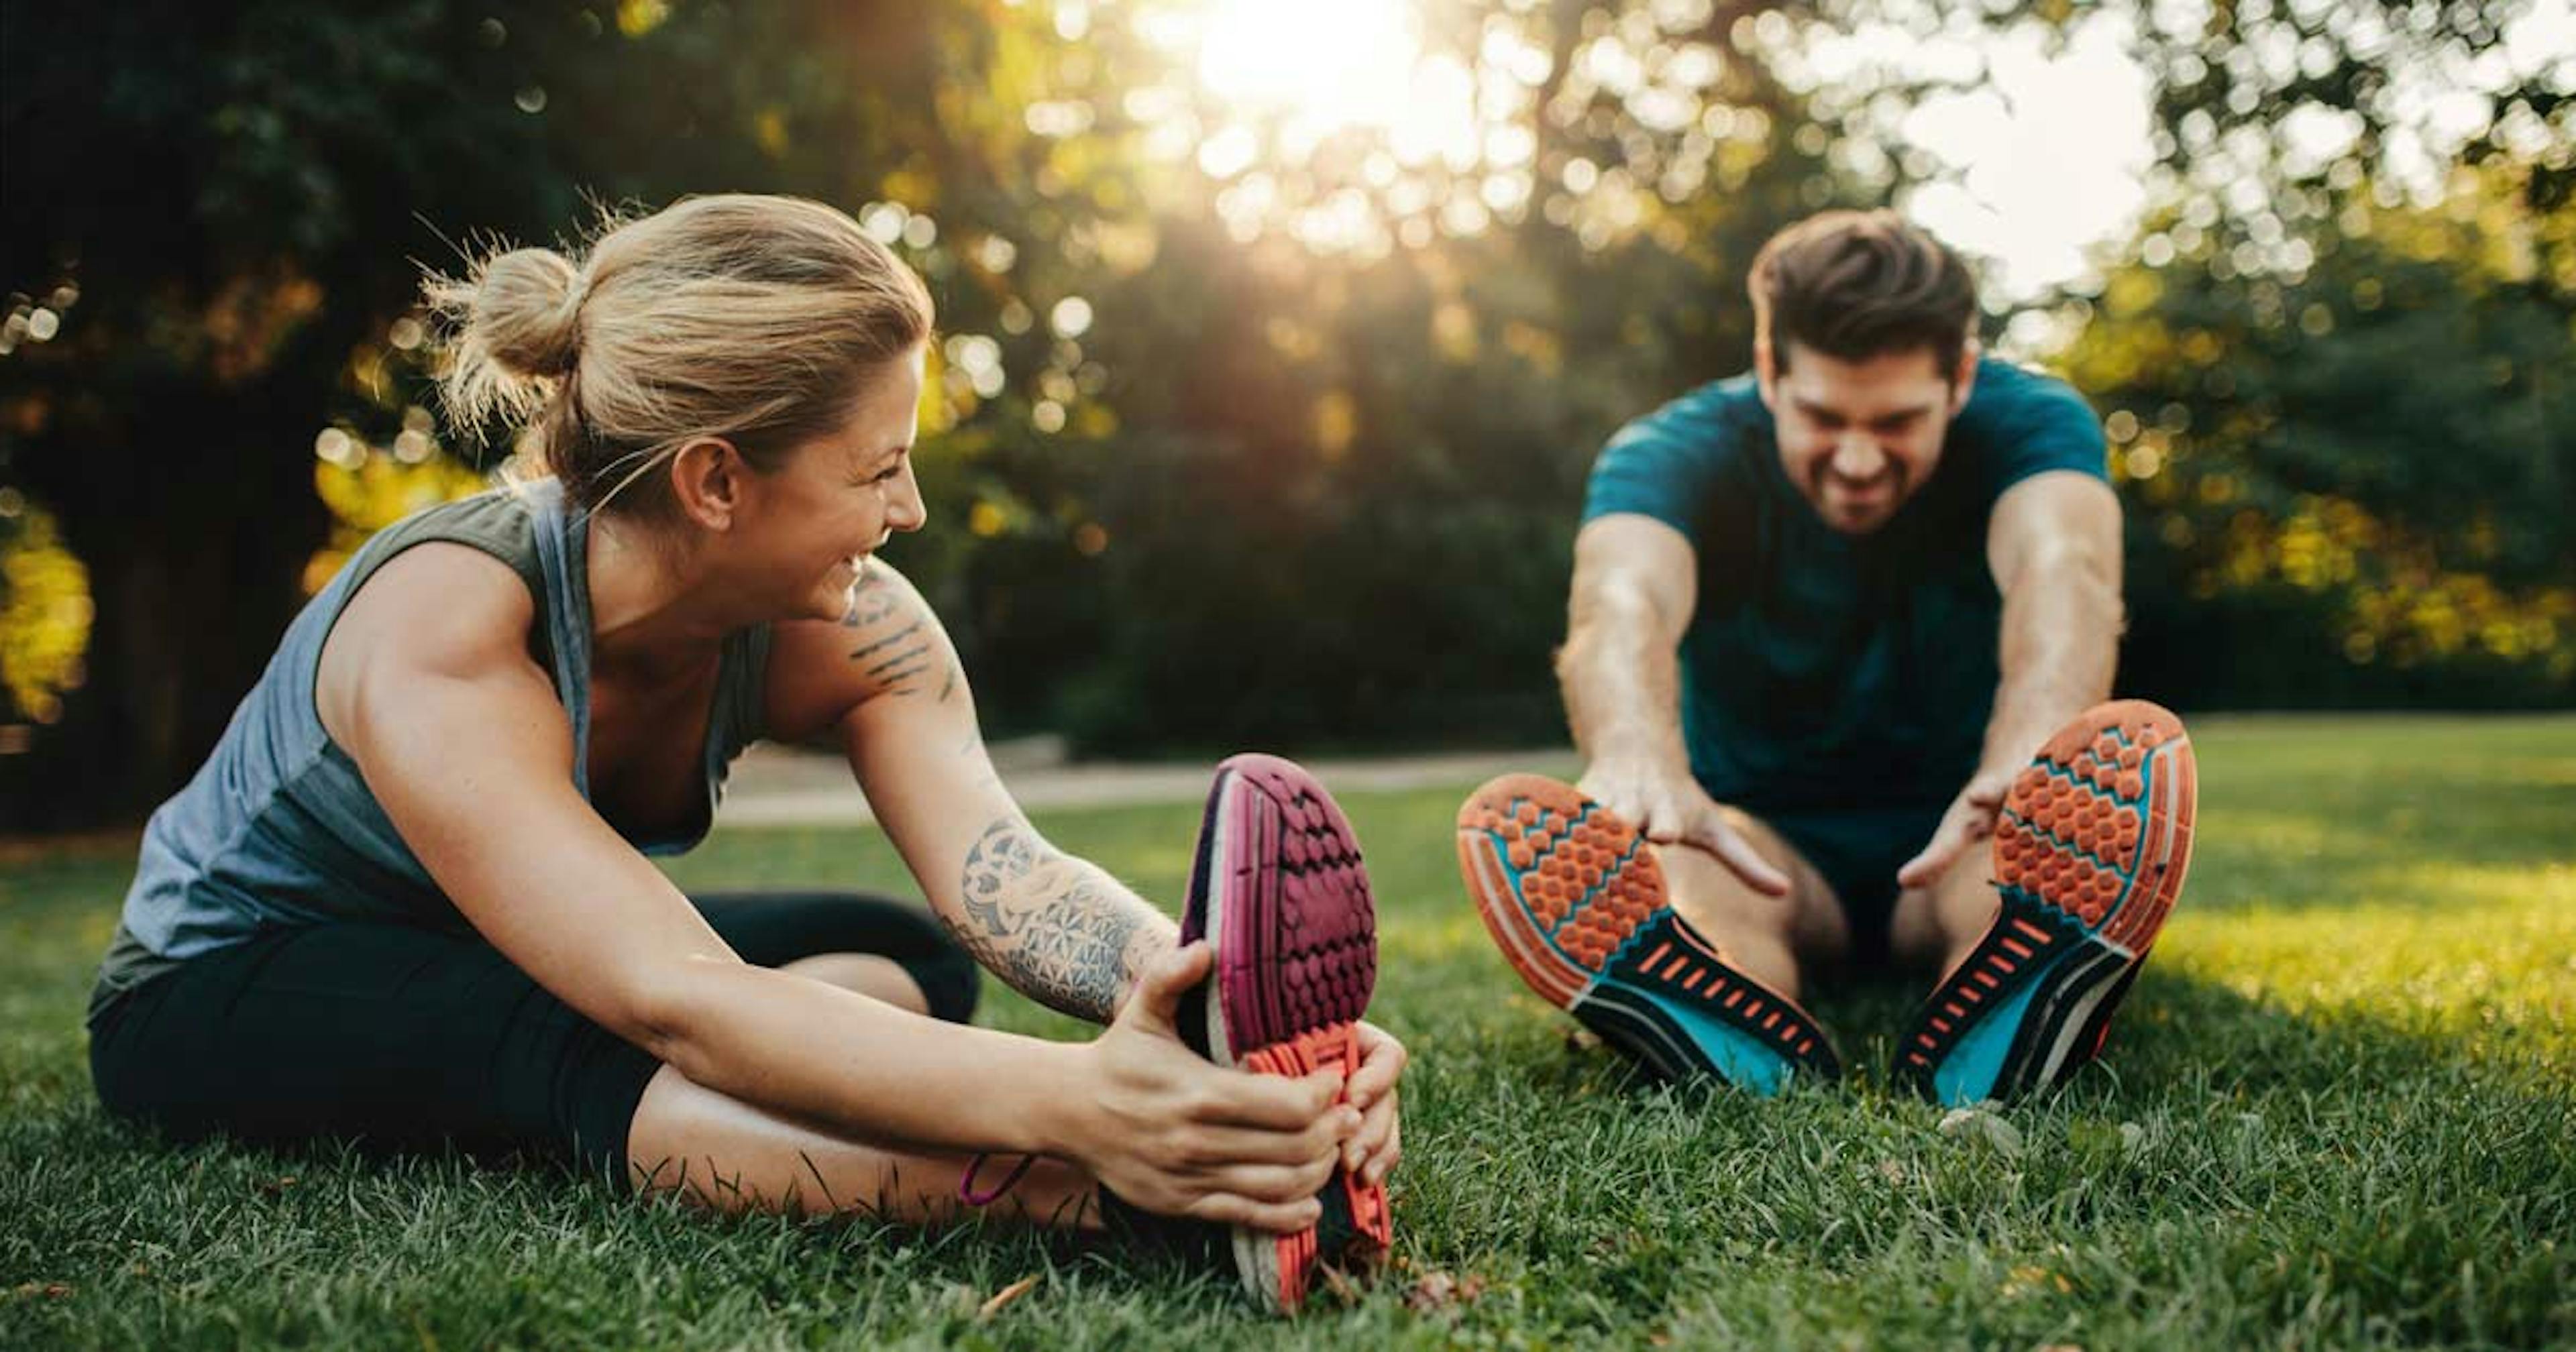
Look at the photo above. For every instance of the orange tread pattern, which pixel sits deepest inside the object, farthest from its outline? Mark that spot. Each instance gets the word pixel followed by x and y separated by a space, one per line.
pixel 1595 881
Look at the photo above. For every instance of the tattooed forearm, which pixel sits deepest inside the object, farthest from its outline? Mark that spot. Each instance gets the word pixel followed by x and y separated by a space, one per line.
pixel 1058 929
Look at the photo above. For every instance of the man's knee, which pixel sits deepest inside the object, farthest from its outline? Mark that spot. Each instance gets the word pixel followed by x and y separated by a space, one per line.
pixel 1702 884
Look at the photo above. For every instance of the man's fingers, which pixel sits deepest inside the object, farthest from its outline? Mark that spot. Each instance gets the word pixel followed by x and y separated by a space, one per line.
pixel 1660 824
pixel 1737 853
pixel 1948 839
pixel 1924 869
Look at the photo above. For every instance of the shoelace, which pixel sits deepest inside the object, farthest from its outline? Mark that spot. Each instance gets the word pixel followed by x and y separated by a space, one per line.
pixel 966 1186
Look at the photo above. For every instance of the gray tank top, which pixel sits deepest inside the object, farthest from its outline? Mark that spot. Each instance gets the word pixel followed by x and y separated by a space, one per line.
pixel 278 829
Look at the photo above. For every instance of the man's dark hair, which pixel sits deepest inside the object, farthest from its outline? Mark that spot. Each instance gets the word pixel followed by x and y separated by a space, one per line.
pixel 1860 284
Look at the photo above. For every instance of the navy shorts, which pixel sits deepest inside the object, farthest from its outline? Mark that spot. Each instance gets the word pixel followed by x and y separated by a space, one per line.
pixel 1858 850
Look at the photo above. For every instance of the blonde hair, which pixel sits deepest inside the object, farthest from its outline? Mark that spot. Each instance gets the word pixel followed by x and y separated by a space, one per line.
pixel 742 317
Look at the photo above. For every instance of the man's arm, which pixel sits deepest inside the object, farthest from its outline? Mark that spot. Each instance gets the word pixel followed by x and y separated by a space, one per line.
pixel 1636 582
pixel 2053 543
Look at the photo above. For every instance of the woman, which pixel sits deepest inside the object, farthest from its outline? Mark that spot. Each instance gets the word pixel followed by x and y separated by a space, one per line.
pixel 407 898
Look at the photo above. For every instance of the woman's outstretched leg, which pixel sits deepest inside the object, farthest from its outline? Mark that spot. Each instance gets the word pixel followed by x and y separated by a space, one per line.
pixel 721 1153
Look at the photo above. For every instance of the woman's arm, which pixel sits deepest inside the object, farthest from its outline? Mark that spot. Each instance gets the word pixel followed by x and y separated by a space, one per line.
pixel 427 684
pixel 1060 930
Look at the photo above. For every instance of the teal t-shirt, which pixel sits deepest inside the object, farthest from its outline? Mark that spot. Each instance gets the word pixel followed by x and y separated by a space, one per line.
pixel 1824 671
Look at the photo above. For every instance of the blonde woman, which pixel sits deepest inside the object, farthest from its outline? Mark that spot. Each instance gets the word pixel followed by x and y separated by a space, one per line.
pixel 408 899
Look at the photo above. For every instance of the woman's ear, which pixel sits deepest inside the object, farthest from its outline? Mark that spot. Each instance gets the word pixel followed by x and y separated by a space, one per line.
pixel 707 481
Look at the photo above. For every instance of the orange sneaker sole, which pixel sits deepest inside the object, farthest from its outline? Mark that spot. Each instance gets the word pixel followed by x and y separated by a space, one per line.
pixel 1577 903
pixel 2089 853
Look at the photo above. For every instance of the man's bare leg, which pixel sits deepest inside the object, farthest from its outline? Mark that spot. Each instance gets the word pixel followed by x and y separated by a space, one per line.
pixel 1764 937
pixel 1938 926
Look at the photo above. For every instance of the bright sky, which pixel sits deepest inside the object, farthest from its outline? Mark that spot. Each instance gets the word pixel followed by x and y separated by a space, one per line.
pixel 2045 154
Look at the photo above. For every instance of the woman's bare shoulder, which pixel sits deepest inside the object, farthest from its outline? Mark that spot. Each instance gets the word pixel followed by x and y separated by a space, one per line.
pixel 437 609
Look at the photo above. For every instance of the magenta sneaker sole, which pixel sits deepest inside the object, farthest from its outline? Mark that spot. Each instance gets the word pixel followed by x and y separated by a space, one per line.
pixel 1279 891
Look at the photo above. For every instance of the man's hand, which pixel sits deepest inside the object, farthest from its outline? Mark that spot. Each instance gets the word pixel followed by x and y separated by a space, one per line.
pixel 1969 822
pixel 1672 809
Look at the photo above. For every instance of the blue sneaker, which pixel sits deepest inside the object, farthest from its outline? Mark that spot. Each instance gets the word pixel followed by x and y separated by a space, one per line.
pixel 1576 901
pixel 2089 852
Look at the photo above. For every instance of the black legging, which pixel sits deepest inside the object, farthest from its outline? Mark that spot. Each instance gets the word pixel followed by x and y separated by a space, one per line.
pixel 405 1037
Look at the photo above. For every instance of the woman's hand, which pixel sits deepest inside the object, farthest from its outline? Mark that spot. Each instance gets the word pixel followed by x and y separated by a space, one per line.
pixel 1174 1134
pixel 1378 1146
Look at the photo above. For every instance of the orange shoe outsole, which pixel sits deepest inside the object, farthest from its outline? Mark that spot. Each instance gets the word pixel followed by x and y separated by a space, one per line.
pixel 2090 851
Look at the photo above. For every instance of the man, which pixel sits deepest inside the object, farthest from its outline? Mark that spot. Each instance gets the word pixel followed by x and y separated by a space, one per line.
pixel 1835 625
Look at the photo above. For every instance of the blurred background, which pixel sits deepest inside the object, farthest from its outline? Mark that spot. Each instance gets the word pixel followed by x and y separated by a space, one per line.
pixel 1302 319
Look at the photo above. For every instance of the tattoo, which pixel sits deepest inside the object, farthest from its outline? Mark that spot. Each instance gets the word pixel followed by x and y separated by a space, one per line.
pixel 1056 928
pixel 896 659
pixel 869 650
pixel 873 599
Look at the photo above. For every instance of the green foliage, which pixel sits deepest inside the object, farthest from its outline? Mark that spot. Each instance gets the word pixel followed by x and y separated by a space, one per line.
pixel 2336 1111
pixel 45 615
pixel 2358 469
pixel 1242 426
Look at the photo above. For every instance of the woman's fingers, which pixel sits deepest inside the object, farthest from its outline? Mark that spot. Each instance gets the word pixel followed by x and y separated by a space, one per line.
pixel 1385 1152
pixel 1233 1098
pixel 1382 1062
pixel 1283 1218
pixel 1375 1137
pixel 1212 1149
pixel 1156 1005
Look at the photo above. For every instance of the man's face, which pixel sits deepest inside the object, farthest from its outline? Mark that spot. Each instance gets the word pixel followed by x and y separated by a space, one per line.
pixel 1860 437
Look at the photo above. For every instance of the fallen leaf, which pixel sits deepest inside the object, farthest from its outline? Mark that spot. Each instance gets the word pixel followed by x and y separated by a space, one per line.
pixel 1434 1291
pixel 1439 1291
pixel 1006 1295
pixel 273 1187
pixel 1980 1124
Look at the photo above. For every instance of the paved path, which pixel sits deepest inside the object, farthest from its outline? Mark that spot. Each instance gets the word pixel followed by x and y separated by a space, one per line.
pixel 780 786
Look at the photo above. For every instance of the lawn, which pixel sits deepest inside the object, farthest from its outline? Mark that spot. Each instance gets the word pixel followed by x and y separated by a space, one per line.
pixel 2340 1111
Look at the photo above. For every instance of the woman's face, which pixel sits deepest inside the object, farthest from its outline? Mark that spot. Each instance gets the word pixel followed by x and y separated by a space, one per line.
pixel 843 494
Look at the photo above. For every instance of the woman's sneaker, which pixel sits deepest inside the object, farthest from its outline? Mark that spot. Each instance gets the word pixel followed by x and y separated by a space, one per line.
pixel 1575 899
pixel 2089 852
pixel 1278 890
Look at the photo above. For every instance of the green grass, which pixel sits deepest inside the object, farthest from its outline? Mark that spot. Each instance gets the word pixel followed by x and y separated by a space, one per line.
pixel 2338 1112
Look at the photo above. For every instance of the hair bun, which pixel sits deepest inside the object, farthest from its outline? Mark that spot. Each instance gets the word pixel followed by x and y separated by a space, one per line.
pixel 526 312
